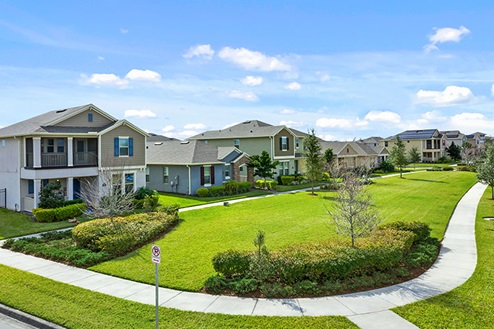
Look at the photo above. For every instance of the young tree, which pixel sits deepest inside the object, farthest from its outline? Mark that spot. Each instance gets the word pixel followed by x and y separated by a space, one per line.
pixel 263 165
pixel 454 151
pixel 397 155
pixel 413 156
pixel 468 153
pixel 313 158
pixel 51 196
pixel 353 213
pixel 485 171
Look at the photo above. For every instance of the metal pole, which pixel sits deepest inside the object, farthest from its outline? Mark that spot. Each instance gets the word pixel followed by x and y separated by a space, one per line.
pixel 157 295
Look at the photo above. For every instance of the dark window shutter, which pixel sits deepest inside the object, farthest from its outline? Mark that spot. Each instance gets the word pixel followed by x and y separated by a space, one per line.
pixel 212 175
pixel 202 175
pixel 116 147
pixel 287 143
pixel 131 146
pixel 281 143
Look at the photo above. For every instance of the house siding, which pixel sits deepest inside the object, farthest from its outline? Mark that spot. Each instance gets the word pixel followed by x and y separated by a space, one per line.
pixel 250 146
pixel 107 155
pixel 81 120
pixel 278 152
pixel 9 171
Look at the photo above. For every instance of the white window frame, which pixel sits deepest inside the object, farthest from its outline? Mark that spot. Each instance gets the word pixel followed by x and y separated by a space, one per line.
pixel 120 147
pixel 166 175
pixel 284 143
pixel 207 178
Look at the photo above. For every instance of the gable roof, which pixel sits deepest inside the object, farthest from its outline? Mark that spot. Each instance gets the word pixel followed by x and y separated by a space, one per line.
pixel 246 129
pixel 45 123
pixel 175 152
pixel 415 134
pixel 361 148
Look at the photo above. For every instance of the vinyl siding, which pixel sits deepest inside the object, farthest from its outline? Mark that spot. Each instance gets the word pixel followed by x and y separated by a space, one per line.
pixel 81 120
pixel 107 157
pixel 291 144
pixel 250 146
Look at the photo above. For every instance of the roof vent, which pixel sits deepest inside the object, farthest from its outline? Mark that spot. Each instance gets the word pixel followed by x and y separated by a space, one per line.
pixel 61 111
pixel 246 122
pixel 184 142
pixel 158 143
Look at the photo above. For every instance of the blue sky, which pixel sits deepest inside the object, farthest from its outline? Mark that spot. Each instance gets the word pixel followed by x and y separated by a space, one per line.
pixel 348 69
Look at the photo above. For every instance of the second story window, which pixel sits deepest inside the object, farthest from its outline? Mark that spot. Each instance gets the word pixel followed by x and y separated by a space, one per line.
pixel 90 117
pixel 236 143
pixel 284 143
pixel 60 145
pixel 385 144
pixel 296 143
pixel 50 148
pixel 123 146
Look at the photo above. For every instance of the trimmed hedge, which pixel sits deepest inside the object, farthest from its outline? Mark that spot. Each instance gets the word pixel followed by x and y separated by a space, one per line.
pixel 229 188
pixel 420 229
pixel 59 214
pixel 232 262
pixel 287 180
pixel 123 234
pixel 202 192
pixel 270 184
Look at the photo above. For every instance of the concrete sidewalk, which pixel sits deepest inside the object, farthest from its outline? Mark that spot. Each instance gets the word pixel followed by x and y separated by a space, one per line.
pixel 455 264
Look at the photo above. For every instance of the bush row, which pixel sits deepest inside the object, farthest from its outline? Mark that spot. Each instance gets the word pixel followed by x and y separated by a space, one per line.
pixel 122 234
pixel 59 214
pixel 229 188
pixel 269 184
pixel 466 168
pixel 318 262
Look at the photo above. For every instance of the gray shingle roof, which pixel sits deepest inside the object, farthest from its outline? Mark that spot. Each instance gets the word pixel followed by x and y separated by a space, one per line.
pixel 246 129
pixel 180 152
pixel 415 134
pixel 360 148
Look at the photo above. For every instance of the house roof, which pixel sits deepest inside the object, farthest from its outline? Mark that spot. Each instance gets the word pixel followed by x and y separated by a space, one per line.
pixel 186 152
pixel 361 148
pixel 415 134
pixel 246 129
pixel 373 139
pixel 159 138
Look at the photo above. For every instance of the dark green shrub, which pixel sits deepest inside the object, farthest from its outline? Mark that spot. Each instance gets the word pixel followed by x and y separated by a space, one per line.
pixel 217 190
pixel 387 166
pixel 232 187
pixel 171 210
pixel 307 287
pixel 144 192
pixel 202 192
pixel 216 284
pixel 244 285
pixel 75 201
pixel 59 214
pixel 51 196
pixel 435 168
pixel 466 168
pixel 287 180
pixel 421 230
pixel 270 184
pixel 244 187
pixel 448 168
pixel 232 263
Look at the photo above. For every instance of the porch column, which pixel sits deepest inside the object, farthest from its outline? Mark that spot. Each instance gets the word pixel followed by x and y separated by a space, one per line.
pixel 37 189
pixel 36 153
pixel 70 152
pixel 70 188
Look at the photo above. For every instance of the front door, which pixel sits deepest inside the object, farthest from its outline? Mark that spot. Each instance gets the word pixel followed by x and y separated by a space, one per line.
pixel 77 189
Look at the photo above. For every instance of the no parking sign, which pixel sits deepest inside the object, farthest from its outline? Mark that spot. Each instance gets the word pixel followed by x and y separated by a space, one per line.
pixel 156 254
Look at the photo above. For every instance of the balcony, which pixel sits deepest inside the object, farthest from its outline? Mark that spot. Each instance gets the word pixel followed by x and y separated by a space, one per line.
pixel 60 160
pixel 85 159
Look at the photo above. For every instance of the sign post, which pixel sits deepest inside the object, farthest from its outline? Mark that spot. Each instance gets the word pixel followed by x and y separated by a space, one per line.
pixel 156 258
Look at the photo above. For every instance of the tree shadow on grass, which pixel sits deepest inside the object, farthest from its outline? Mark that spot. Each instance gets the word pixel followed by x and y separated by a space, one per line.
pixel 428 180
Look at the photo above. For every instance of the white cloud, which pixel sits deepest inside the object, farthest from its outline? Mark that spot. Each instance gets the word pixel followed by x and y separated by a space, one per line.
pixel 327 137
pixel 251 80
pixel 105 80
pixel 383 116
pixel 287 111
pixel 245 95
pixel 124 31
pixel 139 114
pixel 470 122
pixel 230 125
pixel 291 123
pixel 143 75
pixel 201 51
pixel 100 58
pixel 452 95
pixel 334 123
pixel 253 60
pixel 293 86
pixel 187 133
pixel 433 116
pixel 446 34
pixel 323 76
pixel 168 128
pixel 195 126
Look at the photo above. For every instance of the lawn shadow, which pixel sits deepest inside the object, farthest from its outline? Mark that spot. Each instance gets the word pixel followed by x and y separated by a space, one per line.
pixel 427 180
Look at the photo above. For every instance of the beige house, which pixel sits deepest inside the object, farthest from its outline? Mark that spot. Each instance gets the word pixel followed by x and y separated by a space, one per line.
pixel 427 141
pixel 449 137
pixel 252 137
pixel 74 146
pixel 355 154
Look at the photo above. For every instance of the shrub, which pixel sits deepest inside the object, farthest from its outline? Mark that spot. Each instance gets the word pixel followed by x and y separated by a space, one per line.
pixel 244 285
pixel 75 201
pixel 51 196
pixel 171 210
pixel 448 168
pixel 287 180
pixel 232 187
pixel 270 184
pixel 232 263
pixel 244 187
pixel 435 168
pixel 144 192
pixel 466 168
pixel 215 284
pixel 123 234
pixel 420 229
pixel 217 190
pixel 59 214
pixel 202 192
pixel 387 166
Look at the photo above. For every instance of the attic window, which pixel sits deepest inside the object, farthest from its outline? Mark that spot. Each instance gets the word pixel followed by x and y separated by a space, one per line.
pixel 90 117
pixel 61 111
pixel 347 150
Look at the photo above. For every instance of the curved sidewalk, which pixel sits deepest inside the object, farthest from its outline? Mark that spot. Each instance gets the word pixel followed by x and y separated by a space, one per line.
pixel 455 264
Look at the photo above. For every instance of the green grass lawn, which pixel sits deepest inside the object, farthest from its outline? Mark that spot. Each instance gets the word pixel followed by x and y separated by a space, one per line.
pixel 188 201
pixel 187 250
pixel 78 308
pixel 14 224
pixel 470 305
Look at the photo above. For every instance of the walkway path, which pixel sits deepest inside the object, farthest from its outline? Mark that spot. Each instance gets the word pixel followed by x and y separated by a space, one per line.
pixel 370 309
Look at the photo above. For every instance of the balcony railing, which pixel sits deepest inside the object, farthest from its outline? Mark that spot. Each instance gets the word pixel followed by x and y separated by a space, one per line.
pixel 54 160
pixel 85 159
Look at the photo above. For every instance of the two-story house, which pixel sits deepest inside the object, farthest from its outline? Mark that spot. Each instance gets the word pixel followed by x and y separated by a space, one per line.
pixel 74 146
pixel 449 137
pixel 252 137
pixel 355 154
pixel 427 142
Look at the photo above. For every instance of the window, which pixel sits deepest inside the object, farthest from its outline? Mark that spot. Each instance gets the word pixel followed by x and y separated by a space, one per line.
pixel 165 175
pixel 30 186
pixel 50 148
pixel 283 168
pixel 129 183
pixel 284 143
pixel 386 144
pixel 236 143
pixel 60 145
pixel 227 171
pixel 296 143
pixel 123 146
pixel 3 142
pixel 207 175
pixel 147 174
pixel 90 117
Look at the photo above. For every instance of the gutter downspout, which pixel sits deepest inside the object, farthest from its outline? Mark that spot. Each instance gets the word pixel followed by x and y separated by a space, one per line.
pixel 190 183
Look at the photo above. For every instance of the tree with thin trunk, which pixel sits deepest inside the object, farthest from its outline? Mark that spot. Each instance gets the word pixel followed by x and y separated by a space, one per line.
pixel 353 212
pixel 414 156
pixel 397 155
pixel 468 153
pixel 263 165
pixel 314 161
pixel 485 171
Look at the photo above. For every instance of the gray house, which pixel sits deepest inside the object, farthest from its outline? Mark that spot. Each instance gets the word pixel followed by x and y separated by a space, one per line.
pixel 184 166
pixel 74 146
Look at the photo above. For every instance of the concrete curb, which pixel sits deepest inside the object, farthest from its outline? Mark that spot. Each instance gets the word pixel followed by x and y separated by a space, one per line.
pixel 28 318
